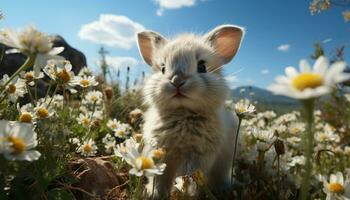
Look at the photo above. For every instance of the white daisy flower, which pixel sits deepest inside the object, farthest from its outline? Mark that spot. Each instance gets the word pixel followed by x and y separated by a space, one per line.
pixel 143 163
pixel 16 88
pixel 326 136
pixel 113 124
pixel 109 143
pixel 85 81
pixel 337 188
pixel 297 160
pixel 43 111
pixel 85 72
pixel 123 148
pixel 31 42
pixel 93 97
pixel 26 113
pixel 264 138
pixel 310 83
pixel 30 77
pixel 59 71
pixel 243 109
pixel 84 119
pixel 296 128
pixel 122 131
pixel 18 141
pixel 87 148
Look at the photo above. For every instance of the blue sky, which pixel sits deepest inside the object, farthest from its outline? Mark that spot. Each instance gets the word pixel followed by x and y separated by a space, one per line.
pixel 269 24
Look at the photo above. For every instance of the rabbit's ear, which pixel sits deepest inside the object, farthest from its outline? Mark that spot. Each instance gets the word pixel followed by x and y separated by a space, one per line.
pixel 148 42
pixel 226 40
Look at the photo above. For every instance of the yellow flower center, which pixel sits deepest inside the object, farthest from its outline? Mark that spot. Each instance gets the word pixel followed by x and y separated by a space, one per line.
pixel 121 133
pixel 64 76
pixel 85 121
pixel 29 76
pixel 241 110
pixel 323 137
pixel 11 89
pixel 84 82
pixel 146 163
pixel 93 98
pixel 158 153
pixel 17 144
pixel 307 80
pixel 336 188
pixel 26 117
pixel 87 148
pixel 295 130
pixel 42 112
pixel 114 125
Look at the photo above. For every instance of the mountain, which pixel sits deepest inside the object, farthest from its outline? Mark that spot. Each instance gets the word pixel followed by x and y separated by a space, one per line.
pixel 266 99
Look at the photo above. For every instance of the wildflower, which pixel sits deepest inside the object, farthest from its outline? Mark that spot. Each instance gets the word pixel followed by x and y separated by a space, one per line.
pixel 109 143
pixel 43 111
pixel 122 131
pixel 26 113
pixel 337 187
pixel 113 124
pixel 296 128
pixel 87 148
pixel 59 71
pixel 18 140
pixel 264 138
pixel 30 77
pixel 243 109
pixel 93 97
pixel 84 119
pixel 142 162
pixel 85 72
pixel 85 81
pixel 16 88
pixel 309 83
pixel 297 160
pixel 326 136
pixel 31 42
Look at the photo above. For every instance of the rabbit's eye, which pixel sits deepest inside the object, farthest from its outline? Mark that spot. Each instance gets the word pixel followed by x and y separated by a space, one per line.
pixel 201 68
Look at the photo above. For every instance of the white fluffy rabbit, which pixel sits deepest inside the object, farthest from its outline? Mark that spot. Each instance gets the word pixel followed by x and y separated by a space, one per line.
pixel 186 94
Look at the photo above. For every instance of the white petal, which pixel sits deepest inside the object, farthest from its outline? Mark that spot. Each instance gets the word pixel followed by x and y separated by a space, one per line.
pixel 321 65
pixel 56 50
pixel 304 66
pixel 291 72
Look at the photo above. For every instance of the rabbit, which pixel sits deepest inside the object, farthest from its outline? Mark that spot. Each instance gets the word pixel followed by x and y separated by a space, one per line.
pixel 186 114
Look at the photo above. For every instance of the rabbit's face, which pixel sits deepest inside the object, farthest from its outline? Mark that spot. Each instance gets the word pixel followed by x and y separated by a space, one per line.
pixel 186 70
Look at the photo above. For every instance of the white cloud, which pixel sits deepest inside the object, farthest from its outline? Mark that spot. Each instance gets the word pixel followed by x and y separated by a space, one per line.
pixel 265 71
pixel 118 62
pixel 283 47
pixel 231 80
pixel 327 40
pixel 111 30
pixel 173 4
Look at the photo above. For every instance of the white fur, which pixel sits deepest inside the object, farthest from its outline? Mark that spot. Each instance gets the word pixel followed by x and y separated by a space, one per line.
pixel 196 131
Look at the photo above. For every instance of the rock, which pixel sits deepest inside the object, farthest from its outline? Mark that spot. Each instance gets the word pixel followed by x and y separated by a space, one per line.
pixel 11 62
pixel 98 177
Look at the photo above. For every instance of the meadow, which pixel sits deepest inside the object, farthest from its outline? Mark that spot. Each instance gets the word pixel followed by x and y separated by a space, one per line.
pixel 82 139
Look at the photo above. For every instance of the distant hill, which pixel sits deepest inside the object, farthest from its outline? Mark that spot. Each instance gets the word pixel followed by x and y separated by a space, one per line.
pixel 266 99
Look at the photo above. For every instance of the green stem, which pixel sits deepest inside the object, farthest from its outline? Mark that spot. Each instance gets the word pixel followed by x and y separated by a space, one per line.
pixel 54 93
pixel 30 95
pixel 308 147
pixel 235 149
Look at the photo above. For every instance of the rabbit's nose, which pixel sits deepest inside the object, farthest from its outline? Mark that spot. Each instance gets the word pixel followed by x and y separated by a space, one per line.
pixel 177 81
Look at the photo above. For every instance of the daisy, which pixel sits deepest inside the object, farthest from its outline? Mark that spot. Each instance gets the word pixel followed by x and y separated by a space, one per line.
pixel 337 187
pixel 297 160
pixel 326 136
pixel 14 89
pixel 310 83
pixel 85 72
pixel 93 97
pixel 85 81
pixel 113 124
pixel 26 113
pixel 142 162
pixel 122 131
pixel 59 71
pixel 43 111
pixel 84 119
pixel 31 42
pixel 18 141
pixel 296 128
pixel 244 109
pixel 87 148
pixel 123 148
pixel 29 77
pixel 109 143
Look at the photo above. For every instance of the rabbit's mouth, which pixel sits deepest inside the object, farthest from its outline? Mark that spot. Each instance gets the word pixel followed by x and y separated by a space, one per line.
pixel 179 95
